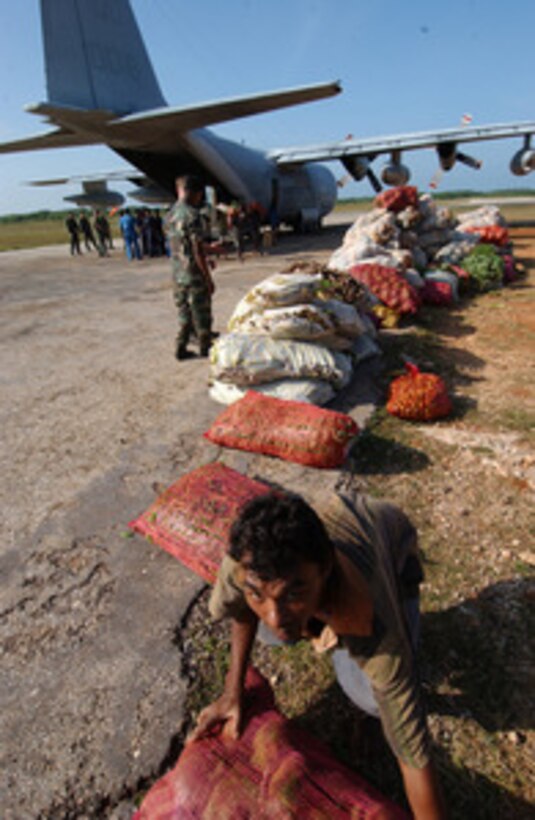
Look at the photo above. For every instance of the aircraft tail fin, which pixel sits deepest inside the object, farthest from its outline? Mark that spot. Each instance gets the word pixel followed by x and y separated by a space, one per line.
pixel 95 57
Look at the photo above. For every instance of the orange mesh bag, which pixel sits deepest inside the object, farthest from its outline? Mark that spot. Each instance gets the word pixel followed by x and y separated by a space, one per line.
pixel 193 517
pixel 292 430
pixel 274 771
pixel 492 234
pixel 397 199
pixel 388 285
pixel 418 396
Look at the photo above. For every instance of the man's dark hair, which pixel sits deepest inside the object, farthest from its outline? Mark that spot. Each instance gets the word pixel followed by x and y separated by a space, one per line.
pixel 276 532
pixel 191 183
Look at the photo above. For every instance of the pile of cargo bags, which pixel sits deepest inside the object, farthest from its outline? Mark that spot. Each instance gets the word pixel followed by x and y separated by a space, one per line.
pixel 299 334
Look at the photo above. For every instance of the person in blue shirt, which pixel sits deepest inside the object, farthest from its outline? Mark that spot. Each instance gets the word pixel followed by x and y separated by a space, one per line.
pixel 127 225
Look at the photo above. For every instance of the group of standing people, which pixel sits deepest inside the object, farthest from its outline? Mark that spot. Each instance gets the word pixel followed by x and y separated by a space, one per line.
pixel 96 236
pixel 244 222
pixel 142 233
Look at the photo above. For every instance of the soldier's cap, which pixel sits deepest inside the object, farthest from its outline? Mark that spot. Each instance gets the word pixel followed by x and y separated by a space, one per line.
pixel 191 183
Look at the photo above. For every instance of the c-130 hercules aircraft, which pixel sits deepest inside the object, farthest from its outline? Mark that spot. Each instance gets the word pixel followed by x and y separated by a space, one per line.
pixel 102 90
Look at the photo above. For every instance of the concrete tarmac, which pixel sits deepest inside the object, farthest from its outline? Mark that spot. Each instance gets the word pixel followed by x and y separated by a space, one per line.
pixel 95 413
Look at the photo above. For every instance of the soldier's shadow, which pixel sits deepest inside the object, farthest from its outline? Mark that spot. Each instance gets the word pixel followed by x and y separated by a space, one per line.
pixel 478 654
pixel 475 663
pixel 374 454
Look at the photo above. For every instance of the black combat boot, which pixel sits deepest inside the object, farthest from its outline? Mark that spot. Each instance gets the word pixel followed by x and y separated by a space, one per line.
pixel 205 342
pixel 183 353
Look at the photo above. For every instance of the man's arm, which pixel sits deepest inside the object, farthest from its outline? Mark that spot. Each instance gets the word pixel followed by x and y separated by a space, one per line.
pixel 227 709
pixel 202 263
pixel 423 792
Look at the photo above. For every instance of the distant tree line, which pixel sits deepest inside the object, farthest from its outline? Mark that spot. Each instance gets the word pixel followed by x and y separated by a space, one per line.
pixel 53 216
pixel 460 194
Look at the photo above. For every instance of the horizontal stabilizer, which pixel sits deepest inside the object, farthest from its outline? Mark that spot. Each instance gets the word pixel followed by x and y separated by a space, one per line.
pixel 60 138
pixel 102 177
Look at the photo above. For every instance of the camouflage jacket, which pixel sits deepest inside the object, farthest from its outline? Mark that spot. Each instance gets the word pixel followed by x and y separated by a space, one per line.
pixel 185 230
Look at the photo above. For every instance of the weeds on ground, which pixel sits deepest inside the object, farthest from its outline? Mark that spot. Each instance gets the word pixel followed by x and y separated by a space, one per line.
pixel 478 621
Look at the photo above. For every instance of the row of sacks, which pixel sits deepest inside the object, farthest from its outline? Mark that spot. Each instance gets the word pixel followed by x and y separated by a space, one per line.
pixel 296 335
pixel 406 230
pixel 408 251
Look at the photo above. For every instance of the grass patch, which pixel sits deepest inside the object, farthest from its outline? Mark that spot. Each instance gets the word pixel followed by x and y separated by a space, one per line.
pixel 518 420
pixel 37 233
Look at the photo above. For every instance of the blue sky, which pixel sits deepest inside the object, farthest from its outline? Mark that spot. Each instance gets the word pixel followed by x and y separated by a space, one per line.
pixel 403 67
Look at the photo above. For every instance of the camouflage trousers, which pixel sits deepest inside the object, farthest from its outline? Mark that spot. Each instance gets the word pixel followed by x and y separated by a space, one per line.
pixel 194 305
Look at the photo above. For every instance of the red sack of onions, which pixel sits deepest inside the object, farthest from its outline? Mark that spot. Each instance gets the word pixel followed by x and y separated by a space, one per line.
pixel 418 396
pixel 192 519
pixel 389 286
pixel 292 430
pixel 491 234
pixel 274 770
pixel 397 199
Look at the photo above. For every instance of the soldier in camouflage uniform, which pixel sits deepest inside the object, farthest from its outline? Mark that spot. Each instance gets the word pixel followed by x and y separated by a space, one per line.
pixel 192 279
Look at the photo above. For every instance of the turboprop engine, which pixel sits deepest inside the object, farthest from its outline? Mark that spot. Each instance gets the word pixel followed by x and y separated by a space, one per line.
pixel 394 173
pixel 448 155
pixel 523 162
pixel 96 199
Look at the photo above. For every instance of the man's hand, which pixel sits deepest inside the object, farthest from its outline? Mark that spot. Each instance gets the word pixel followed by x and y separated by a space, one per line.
pixel 227 711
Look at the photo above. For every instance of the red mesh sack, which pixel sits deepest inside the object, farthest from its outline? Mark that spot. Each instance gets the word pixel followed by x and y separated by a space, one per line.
pixel 492 234
pixel 273 771
pixel 397 199
pixel 439 294
pixel 291 430
pixel 418 396
pixel 193 517
pixel 389 286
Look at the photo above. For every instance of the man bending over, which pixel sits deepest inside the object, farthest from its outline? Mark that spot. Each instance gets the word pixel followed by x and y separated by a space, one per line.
pixel 348 581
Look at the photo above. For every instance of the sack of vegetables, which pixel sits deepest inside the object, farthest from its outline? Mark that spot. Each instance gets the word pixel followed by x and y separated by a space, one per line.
pixel 290 430
pixel 485 269
pixel 418 396
pixel 397 199
pixel 388 286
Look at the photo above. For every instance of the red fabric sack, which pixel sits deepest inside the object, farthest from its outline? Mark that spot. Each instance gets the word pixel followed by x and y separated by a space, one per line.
pixel 492 234
pixel 273 772
pixel 418 396
pixel 397 199
pixel 292 430
pixel 389 286
pixel 439 294
pixel 193 517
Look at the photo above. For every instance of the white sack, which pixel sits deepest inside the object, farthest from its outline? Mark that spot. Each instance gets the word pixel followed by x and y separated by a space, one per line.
pixel 246 359
pixel 312 391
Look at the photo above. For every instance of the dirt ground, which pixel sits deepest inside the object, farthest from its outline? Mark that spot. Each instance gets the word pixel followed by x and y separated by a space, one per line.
pixel 96 412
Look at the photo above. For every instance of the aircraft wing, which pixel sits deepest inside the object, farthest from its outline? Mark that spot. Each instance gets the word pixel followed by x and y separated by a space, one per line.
pixel 371 147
